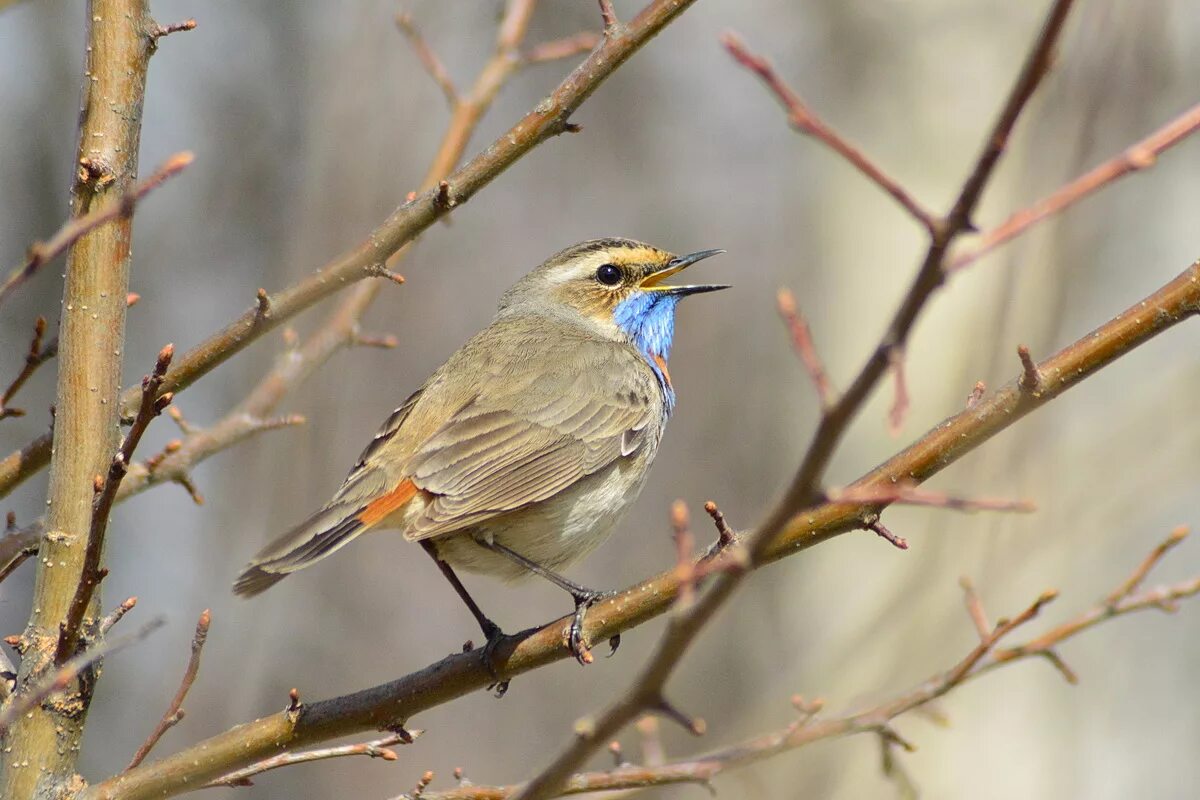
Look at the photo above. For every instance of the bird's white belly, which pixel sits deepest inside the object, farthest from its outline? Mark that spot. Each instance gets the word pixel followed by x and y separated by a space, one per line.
pixel 555 532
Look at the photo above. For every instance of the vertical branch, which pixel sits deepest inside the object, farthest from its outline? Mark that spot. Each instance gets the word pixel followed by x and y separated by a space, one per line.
pixel 40 750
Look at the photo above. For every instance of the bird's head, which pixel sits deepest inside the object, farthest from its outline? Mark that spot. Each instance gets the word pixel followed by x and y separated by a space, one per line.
pixel 615 287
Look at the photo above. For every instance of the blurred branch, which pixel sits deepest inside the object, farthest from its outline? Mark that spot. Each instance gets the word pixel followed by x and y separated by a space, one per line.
pixel 36 356
pixel 647 690
pixel 802 343
pixel 174 712
pixel 985 657
pixel 61 680
pixel 1140 156
pixel 802 118
pixel 40 351
pixel 120 206
pixel 549 118
pixel 39 753
pixel 454 676
pixel 429 60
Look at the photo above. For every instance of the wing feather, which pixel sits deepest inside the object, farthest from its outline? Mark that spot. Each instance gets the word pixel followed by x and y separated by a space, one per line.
pixel 535 438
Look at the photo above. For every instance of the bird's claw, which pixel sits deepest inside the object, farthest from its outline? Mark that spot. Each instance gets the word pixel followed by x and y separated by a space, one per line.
pixel 576 643
pixel 494 637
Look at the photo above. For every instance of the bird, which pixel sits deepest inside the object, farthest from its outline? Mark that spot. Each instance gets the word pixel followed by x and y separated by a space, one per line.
pixel 519 455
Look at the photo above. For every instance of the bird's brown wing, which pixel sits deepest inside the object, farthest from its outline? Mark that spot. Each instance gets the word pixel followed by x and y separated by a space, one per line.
pixel 533 438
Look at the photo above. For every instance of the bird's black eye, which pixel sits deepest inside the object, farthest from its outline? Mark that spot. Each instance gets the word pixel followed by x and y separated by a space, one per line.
pixel 608 274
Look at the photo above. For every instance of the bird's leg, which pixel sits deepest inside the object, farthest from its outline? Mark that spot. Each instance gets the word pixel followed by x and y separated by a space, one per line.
pixel 583 596
pixel 491 631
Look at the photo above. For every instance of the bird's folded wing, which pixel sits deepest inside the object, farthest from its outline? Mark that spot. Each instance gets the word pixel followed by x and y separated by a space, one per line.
pixel 528 442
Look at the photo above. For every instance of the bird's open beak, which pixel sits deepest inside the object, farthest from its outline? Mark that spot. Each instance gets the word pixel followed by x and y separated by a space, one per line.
pixel 654 281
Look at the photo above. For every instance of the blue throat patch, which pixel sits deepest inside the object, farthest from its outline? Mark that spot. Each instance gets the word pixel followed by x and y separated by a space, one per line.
pixel 648 318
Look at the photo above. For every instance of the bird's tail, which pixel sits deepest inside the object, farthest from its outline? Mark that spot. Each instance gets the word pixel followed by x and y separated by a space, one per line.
pixel 321 534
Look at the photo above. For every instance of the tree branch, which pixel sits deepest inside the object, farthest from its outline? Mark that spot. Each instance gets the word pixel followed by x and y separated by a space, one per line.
pixel 397 701
pixel 174 712
pixel 1135 158
pixel 982 659
pixel 374 749
pixel 106 494
pixel 646 692
pixel 120 206
pixel 549 118
pixel 802 118
pixel 45 740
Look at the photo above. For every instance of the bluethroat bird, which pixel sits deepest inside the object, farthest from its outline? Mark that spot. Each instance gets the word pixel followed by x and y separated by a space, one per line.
pixel 521 452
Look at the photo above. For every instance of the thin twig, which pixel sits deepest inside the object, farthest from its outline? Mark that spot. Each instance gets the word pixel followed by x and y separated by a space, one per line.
pixel 802 343
pixel 429 59
pixel 908 494
pixel 374 749
pixel 152 405
pixel 802 118
pixel 34 358
pixel 1132 583
pixel 65 675
pixel 569 46
pixel 174 712
pixel 1135 158
pixel 43 252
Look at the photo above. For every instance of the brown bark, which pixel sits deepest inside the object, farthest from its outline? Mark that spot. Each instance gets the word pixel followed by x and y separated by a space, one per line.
pixel 41 749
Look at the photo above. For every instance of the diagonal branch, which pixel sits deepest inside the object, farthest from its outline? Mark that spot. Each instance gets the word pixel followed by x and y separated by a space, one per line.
pixel 802 118
pixel 548 119
pixel 44 252
pixel 982 659
pixel 647 690
pixel 382 706
pixel 1135 158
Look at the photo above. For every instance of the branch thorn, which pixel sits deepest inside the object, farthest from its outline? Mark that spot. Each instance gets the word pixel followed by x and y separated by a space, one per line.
pixel 1031 377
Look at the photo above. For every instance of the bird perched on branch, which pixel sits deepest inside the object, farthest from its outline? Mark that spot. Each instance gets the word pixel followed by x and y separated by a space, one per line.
pixel 521 452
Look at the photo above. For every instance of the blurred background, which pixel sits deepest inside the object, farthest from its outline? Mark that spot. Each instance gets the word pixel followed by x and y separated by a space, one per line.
pixel 310 122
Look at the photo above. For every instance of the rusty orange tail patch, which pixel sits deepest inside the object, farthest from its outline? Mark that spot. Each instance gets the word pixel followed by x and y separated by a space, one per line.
pixel 381 507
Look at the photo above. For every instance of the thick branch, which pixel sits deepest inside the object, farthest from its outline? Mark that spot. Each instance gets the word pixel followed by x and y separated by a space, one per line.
pixel 387 704
pixel 45 741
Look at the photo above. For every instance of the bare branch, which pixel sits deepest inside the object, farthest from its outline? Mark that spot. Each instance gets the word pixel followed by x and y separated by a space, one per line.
pixel 429 60
pixel 1140 156
pixel 580 43
pixel 152 405
pixel 609 16
pixel 983 658
pixel 548 119
pixel 374 749
pixel 459 674
pixel 33 359
pixel 62 679
pixel 44 252
pixel 909 494
pixel 174 712
pixel 802 342
pixel 801 117
pixel 1132 583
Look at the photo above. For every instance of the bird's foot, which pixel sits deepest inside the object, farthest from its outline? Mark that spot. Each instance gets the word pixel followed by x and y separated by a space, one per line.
pixel 494 636
pixel 576 643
